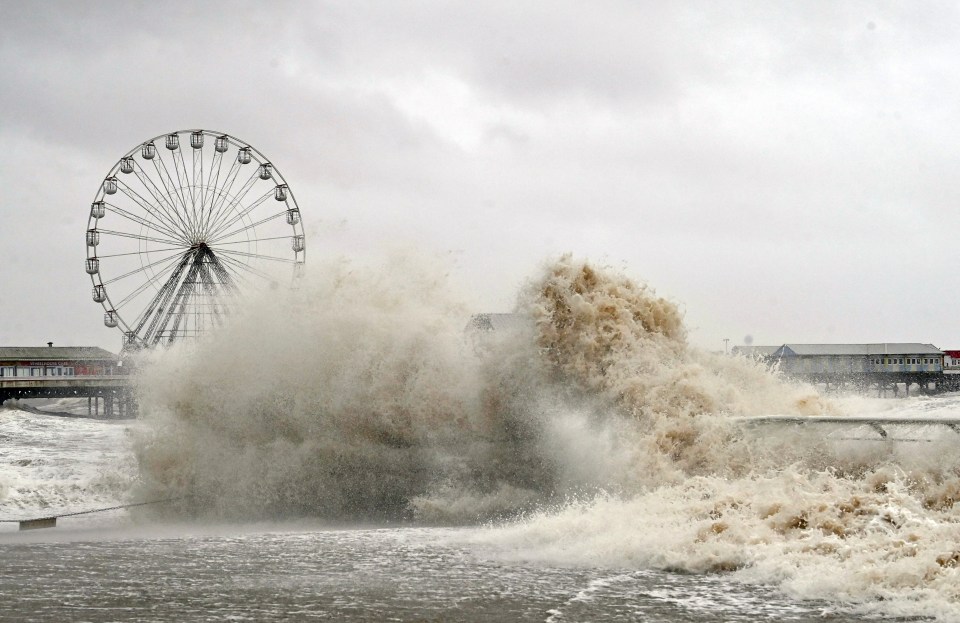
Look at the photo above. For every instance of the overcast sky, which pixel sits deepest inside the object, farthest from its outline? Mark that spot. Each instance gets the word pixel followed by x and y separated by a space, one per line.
pixel 785 171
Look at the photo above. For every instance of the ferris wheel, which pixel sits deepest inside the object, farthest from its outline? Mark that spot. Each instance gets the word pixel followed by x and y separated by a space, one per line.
pixel 180 226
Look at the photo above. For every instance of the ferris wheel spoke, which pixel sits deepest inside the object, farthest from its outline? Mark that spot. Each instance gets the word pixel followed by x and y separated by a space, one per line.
pixel 239 215
pixel 154 225
pixel 164 198
pixel 207 185
pixel 187 185
pixel 145 285
pixel 183 187
pixel 197 181
pixel 212 183
pixel 259 256
pixel 122 234
pixel 171 187
pixel 180 248
pixel 222 194
pixel 218 193
pixel 228 204
pixel 242 277
pixel 250 226
pixel 140 200
pixel 251 240
pixel 141 269
pixel 239 268
pixel 146 205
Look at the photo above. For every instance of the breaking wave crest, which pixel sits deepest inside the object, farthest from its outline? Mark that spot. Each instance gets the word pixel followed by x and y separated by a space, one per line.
pixel 358 398
pixel 591 426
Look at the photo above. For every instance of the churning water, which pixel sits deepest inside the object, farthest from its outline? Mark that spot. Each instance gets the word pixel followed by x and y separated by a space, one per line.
pixel 384 465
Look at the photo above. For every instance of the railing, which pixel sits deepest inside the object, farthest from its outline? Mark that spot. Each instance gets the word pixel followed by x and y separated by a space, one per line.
pixel 880 425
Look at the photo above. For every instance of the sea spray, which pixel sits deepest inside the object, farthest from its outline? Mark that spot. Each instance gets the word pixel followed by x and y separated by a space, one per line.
pixel 38 482
pixel 361 397
pixel 354 398
pixel 598 428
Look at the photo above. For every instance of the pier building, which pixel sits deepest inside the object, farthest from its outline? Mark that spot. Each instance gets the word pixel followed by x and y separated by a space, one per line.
pixel 882 366
pixel 858 359
pixel 50 360
pixel 65 372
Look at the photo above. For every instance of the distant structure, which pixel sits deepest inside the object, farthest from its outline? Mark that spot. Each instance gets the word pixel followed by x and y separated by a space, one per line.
pixel 883 366
pixel 951 359
pixel 832 359
pixel 499 322
pixel 65 372
pixel 484 330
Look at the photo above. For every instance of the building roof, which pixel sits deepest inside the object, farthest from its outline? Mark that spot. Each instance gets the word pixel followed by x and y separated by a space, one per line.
pixel 754 351
pixel 41 353
pixel 806 350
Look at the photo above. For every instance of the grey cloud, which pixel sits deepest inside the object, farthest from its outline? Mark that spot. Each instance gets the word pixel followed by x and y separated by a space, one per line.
pixel 720 150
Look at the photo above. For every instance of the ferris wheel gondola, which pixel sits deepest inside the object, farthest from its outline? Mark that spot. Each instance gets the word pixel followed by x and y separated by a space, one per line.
pixel 174 235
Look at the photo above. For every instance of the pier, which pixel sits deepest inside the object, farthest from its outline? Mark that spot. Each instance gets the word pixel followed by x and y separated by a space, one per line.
pixel 107 393
pixel 897 384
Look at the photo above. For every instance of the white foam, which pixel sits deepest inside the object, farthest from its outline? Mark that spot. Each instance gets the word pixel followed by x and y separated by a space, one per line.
pixel 51 465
